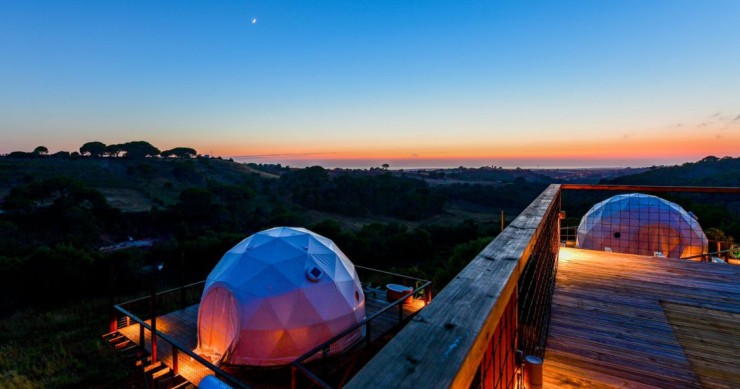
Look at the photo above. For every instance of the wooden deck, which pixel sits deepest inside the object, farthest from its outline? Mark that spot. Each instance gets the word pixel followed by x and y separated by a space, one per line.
pixel 182 327
pixel 629 321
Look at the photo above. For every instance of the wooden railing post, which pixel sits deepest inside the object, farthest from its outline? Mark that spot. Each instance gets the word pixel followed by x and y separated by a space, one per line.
pixel 719 251
pixel 113 320
pixel 175 363
pixel 111 295
pixel 182 279
pixel 293 377
pixel 154 326
pixel 142 339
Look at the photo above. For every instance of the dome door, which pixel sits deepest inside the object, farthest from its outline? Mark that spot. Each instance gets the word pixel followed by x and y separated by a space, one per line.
pixel 218 324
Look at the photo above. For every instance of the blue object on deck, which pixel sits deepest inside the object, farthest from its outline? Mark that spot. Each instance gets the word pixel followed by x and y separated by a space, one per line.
pixel 211 382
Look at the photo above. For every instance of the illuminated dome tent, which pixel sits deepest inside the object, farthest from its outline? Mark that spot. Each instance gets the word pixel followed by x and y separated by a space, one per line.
pixel 275 296
pixel 641 224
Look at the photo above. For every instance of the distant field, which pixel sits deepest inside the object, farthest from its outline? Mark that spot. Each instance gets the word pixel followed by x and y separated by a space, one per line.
pixel 437 181
pixel 127 200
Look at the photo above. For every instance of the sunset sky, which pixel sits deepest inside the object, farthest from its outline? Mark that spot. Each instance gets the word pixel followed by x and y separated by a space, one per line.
pixel 414 83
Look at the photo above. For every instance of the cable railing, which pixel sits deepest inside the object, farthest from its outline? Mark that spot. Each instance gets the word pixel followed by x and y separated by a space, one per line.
pixel 138 321
pixel 325 368
pixel 536 286
pixel 165 301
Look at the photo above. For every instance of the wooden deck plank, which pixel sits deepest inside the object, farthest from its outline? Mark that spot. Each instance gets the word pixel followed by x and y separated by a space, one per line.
pixel 611 327
pixel 712 342
pixel 588 365
pixel 649 274
pixel 567 376
pixel 655 289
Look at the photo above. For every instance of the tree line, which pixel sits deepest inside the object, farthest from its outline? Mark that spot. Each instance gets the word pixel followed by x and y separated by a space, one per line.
pixel 362 195
pixel 95 149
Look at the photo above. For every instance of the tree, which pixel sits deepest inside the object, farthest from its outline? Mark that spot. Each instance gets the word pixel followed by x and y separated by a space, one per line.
pixel 386 166
pixel 113 150
pixel 41 150
pixel 93 149
pixel 61 192
pixel 20 154
pixel 179 152
pixel 139 150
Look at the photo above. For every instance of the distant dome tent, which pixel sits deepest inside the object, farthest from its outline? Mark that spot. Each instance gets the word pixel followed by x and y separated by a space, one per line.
pixel 641 224
pixel 275 296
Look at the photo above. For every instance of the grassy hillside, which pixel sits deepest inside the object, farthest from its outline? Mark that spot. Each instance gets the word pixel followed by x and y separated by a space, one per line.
pixel 60 348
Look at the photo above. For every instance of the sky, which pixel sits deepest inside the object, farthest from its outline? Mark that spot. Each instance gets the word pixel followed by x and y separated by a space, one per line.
pixel 412 83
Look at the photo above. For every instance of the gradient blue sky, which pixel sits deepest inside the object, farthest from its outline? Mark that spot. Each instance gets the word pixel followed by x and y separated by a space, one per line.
pixel 359 83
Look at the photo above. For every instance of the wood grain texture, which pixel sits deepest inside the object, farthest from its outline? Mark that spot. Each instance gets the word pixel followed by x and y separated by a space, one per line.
pixel 445 343
pixel 711 339
pixel 610 323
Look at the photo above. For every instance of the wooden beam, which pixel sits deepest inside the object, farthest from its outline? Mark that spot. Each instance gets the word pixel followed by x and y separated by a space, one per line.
pixel 444 344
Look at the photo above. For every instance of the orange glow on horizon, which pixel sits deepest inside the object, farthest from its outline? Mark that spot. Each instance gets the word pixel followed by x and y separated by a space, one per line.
pixel 687 148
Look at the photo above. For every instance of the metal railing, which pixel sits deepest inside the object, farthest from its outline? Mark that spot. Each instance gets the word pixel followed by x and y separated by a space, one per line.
pixel 180 358
pixel 164 302
pixel 537 284
pixel 323 368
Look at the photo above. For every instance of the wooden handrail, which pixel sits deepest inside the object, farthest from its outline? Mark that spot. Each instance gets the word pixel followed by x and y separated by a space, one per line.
pixel 444 344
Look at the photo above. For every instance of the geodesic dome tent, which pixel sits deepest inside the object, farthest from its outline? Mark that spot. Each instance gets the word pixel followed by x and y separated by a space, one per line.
pixel 641 224
pixel 275 296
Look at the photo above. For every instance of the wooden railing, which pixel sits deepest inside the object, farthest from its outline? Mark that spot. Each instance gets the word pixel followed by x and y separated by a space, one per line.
pixel 469 335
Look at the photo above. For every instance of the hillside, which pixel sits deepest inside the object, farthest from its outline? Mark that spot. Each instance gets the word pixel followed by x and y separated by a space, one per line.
pixel 128 184
pixel 710 171
pixel 60 212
